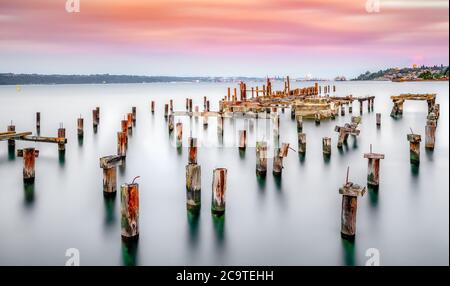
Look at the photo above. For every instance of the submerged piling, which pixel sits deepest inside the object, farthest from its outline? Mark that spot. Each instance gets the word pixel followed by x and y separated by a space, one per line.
pixel 129 199
pixel 166 110
pixel 220 124
pixel 350 193
pixel 326 145
pixel 373 170
pixel 219 187
pixel 11 128
pixel 299 120
pixel 242 139
pixel 38 120
pixel 152 106
pixel 414 148
pixel 61 134
pixel 378 115
pixel 261 158
pixel 302 143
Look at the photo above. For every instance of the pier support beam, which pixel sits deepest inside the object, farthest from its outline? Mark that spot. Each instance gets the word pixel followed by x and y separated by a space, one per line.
pixel 219 187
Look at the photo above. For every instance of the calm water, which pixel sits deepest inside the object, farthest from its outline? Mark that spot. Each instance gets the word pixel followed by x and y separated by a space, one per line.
pixel 292 221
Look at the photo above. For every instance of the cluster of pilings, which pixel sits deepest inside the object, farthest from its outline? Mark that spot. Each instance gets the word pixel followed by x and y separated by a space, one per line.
pixel 348 129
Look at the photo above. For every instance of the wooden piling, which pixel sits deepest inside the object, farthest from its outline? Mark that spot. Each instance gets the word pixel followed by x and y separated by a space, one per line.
pixel 130 120
pixel 242 139
pixel 302 143
pixel 11 128
pixel 61 134
pixel 166 110
pixel 80 127
pixel 326 145
pixel 192 143
pixel 97 109
pixel 220 124
pixel 129 199
pixel 152 106
pixel 414 148
pixel 122 143
pixel 299 120
pixel 94 119
pixel 261 158
pixel 350 193
pixel 430 134
pixel 124 129
pixel 110 180
pixel 219 187
pixel 29 159
pixel 342 110
pixel 193 187
pixel 373 170
pixel 205 120
pixel 277 162
pixel 317 118
pixel 170 123
pixel 179 139
pixel 171 105
pixel 38 120
pixel 350 108
pixel 378 115
pixel 133 112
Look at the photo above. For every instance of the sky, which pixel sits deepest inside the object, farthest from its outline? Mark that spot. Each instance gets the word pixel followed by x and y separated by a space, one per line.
pixel 321 38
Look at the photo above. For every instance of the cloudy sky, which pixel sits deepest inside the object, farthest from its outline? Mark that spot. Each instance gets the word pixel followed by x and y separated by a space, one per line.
pixel 323 38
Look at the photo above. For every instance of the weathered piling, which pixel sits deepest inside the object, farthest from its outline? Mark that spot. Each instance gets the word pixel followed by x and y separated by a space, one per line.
pixel 373 171
pixel 166 110
pixel 205 120
pixel 317 118
pixel 414 148
pixel 61 134
pixel 220 124
pixel 171 105
pixel 94 119
pixel 38 120
pixel 350 107
pixel 261 158
pixel 97 109
pixel 124 129
pixel 108 164
pixel 193 187
pixel 302 143
pixel 179 139
pixel 11 128
pixel 187 104
pixel 122 143
pixel 170 123
pixel 130 120
pixel 192 157
pixel 342 110
pixel 430 131
pixel 276 126
pixel 29 161
pixel 360 107
pixel 277 162
pixel 152 106
pixel 80 127
pixel 242 139
pixel 129 199
pixel 350 193
pixel 326 145
pixel 378 115
pixel 190 105
pixel 219 187
pixel 133 112
pixel 397 109
pixel 207 105
pixel 299 120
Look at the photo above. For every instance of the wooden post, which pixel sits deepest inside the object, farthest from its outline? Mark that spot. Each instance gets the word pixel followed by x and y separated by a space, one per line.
pixel 326 145
pixel 29 158
pixel 278 155
pixel 342 110
pixel 129 199
pixel 171 105
pixel 242 139
pixel 235 95
pixel 179 139
pixel 397 109
pixel 122 143
pixel 94 119
pixel 192 143
pixel 261 158
pixel 350 107
pixel 373 171
pixel 190 105
pixel 97 109
pixel 38 120
pixel 317 118
pixel 193 187
pixel 302 143
pixel 80 127
pixel 187 104
pixel 130 120
pixel 228 94
pixel 253 92
pixel 61 134
pixel 276 126
pixel 220 124
pixel 360 107
pixel 166 110
pixel 414 148
pixel 152 106
pixel 299 120
pixel 110 179
pixel 11 128
pixel 430 131
pixel 171 122
pixel 207 105
pixel 205 120
pixel 334 88
pixel 133 112
pixel 219 187
pixel 350 193
pixel 124 129
pixel 378 115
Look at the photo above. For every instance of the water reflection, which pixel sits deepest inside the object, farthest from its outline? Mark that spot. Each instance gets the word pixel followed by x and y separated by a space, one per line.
pixel 62 157
pixel 28 189
pixel 301 158
pixel 415 170
pixel 11 152
pixel 277 180
pixel 219 228
pixel 80 140
pixel 193 222
pixel 373 195
pixel 130 252
pixel 326 158
pixel 429 154
pixel 355 143
pixel 261 180
pixel 241 154
pixel 348 247
pixel 95 129
pixel 109 201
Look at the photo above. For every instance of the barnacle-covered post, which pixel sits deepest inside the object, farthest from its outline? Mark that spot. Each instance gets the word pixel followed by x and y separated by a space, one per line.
pixel 29 161
pixel 350 193
pixel 219 187
pixel 326 145
pixel 414 147
pixel 373 171
pixel 261 158
pixel 179 139
pixel 242 140
pixel 129 199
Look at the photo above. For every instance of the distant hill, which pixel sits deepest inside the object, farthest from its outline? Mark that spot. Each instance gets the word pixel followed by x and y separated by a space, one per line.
pixel 408 74
pixel 22 79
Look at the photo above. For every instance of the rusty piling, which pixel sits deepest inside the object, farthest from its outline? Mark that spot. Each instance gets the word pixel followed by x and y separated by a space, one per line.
pixel 261 158
pixel 29 161
pixel 302 143
pixel 326 145
pixel 122 144
pixel 373 170
pixel 80 127
pixel 11 128
pixel 414 148
pixel 129 198
pixel 430 131
pixel 219 187
pixel 242 139
pixel 179 139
